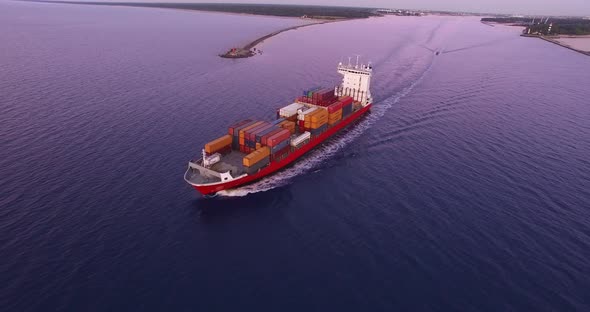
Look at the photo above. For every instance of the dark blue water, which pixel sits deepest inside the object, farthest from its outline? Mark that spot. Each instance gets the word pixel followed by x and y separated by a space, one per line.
pixel 467 187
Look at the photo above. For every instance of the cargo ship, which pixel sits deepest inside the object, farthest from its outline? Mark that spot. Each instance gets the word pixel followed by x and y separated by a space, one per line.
pixel 253 149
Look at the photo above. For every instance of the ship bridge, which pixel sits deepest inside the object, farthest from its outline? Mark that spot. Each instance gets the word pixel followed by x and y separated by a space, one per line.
pixel 356 81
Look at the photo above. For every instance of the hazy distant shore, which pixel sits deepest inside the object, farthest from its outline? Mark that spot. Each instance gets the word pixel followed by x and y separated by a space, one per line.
pixel 316 14
pixel 313 12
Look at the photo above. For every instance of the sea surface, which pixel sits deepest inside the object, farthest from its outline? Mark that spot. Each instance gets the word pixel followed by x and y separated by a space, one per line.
pixel 467 188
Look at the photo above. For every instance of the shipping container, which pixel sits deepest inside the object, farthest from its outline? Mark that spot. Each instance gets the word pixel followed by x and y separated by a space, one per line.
pixel 346 100
pixel 242 130
pixel 278 121
pixel 237 125
pixel 218 144
pixel 279 146
pixel 257 166
pixel 280 154
pixel 289 125
pixel 256 156
pixel 265 137
pixel 262 133
pixel 251 134
pixel 346 110
pixel 301 139
pixel 305 111
pixel 318 130
pixel 248 132
pixel 334 107
pixel 236 141
pixel 320 114
pixel 335 117
pixel 279 137
pixel 290 110
pixel 237 130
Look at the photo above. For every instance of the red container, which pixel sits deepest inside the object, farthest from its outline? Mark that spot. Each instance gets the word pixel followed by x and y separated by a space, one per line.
pixel 252 134
pixel 334 107
pixel 265 137
pixel 323 94
pixel 236 125
pixel 280 153
pixel 252 130
pixel 276 139
pixel 347 100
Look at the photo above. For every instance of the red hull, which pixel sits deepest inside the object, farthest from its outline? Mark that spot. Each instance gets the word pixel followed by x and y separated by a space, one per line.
pixel 276 166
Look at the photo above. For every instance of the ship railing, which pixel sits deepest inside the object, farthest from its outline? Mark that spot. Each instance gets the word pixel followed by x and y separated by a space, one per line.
pixel 204 171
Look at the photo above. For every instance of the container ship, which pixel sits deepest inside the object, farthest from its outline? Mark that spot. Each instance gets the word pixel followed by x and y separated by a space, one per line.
pixel 253 149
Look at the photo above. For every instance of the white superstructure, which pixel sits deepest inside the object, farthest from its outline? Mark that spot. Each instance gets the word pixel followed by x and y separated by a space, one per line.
pixel 356 82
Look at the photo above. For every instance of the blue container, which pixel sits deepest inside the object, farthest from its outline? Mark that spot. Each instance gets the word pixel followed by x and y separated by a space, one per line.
pixel 254 168
pixel 279 146
pixel 259 135
pixel 318 130
pixel 278 121
pixel 346 110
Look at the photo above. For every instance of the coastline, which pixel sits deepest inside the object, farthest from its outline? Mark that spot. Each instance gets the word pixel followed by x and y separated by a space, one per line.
pixel 554 40
pixel 249 49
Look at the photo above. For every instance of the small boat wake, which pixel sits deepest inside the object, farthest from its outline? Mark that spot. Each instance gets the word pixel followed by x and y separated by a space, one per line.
pixel 326 150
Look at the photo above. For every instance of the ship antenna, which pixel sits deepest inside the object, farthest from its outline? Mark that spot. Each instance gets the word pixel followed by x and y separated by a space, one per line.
pixel 357 61
pixel 349 58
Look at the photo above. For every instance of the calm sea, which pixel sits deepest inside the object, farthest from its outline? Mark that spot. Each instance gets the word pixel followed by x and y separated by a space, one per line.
pixel 467 188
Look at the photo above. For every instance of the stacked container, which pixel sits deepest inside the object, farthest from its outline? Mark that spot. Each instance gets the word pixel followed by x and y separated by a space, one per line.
pixel 346 105
pixel 316 119
pixel 324 95
pixel 319 130
pixel 264 138
pixel 233 127
pixel 290 111
pixel 309 93
pixel 256 160
pixel 219 145
pixel 279 144
pixel 234 131
pixel 335 113
pixel 289 125
pixel 242 136
pixel 250 135
pixel 262 133
pixel 301 139
pixel 278 140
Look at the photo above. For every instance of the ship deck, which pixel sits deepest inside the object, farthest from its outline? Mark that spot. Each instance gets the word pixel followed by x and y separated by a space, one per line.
pixel 231 162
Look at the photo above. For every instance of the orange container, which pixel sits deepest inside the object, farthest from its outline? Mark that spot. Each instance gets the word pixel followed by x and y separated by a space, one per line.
pixel 289 125
pixel 256 156
pixel 319 115
pixel 218 144
pixel 258 146
pixel 335 117
pixel 249 127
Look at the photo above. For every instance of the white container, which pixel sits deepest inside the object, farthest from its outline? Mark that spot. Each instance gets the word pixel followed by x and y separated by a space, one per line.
pixel 290 110
pixel 211 160
pixel 300 139
pixel 301 113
